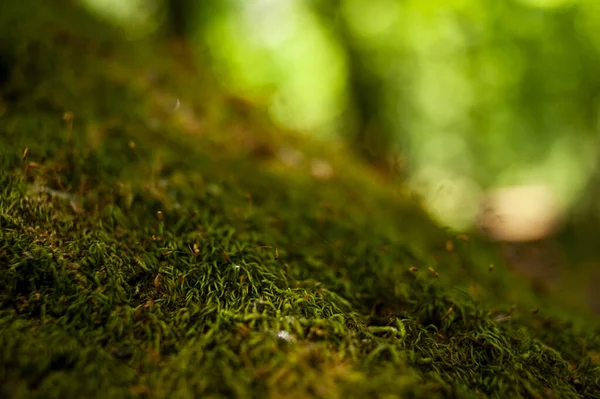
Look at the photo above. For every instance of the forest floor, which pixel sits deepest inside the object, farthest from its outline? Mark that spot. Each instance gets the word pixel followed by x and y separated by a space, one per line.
pixel 161 239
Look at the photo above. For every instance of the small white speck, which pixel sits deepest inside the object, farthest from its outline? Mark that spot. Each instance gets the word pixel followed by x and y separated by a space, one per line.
pixel 286 336
pixel 501 318
pixel 177 105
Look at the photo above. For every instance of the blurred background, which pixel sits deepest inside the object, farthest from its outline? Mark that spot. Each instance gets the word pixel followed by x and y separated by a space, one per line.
pixel 481 107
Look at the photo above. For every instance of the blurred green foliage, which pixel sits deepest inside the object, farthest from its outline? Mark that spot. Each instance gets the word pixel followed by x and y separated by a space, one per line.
pixel 467 94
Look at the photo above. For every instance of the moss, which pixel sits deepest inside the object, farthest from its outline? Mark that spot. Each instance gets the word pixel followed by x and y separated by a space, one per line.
pixel 146 253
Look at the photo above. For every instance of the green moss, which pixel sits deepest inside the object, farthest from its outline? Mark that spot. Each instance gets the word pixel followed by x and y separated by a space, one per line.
pixel 145 253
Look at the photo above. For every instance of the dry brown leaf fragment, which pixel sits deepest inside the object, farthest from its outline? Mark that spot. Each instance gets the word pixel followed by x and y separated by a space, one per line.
pixel 226 256
pixel 68 116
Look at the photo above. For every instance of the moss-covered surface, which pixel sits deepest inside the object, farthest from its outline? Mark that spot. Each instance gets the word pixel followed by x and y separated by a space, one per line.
pixel 147 252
